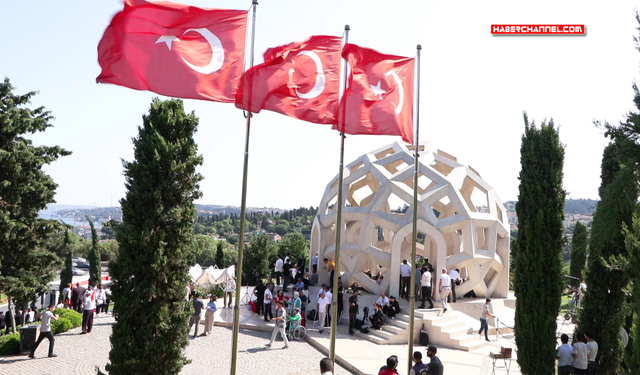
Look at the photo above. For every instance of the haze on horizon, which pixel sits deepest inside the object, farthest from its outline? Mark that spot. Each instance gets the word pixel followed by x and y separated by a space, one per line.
pixel 474 89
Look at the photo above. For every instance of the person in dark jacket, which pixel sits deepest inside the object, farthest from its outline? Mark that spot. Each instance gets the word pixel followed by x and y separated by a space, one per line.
pixel 394 307
pixel 79 298
pixel 377 319
pixel 259 293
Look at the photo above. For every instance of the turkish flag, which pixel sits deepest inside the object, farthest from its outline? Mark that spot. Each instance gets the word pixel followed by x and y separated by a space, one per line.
pixel 175 50
pixel 379 99
pixel 299 79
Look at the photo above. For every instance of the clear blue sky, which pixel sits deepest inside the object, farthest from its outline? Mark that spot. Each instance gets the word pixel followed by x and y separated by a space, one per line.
pixel 474 89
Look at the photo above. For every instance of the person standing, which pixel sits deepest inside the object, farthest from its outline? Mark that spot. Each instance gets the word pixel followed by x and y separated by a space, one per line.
pixel 405 272
pixel 89 307
pixel 425 283
pixel 210 315
pixel 78 297
pixel 304 300
pixel 353 311
pixel 187 291
pixel 286 273
pixel 416 281
pixel 268 297
pixel 445 289
pixel 278 269
pixel 326 366
pixel 435 366
pixel 100 299
pixel 301 263
pixel 419 368
pixel 197 309
pixel 66 296
pixel 455 276
pixel 580 355
pixel 229 287
pixel 259 293
pixel 45 331
pixel 107 299
pixel 340 297
pixel 281 316
pixel 322 307
pixel 592 352
pixel 563 355
pixel 314 263
pixel 486 312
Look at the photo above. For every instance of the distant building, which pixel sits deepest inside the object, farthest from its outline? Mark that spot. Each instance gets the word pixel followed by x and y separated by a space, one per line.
pixel 274 237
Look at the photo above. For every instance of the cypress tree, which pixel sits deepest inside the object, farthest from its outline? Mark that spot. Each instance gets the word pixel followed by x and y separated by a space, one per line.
pixel 578 253
pixel 66 276
pixel 607 277
pixel 219 258
pixel 151 269
pixel 95 269
pixel 538 283
pixel 26 266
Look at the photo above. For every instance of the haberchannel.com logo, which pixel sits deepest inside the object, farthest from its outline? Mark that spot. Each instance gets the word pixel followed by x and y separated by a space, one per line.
pixel 538 30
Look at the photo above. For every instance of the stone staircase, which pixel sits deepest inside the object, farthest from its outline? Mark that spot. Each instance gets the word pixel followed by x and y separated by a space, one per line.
pixel 451 330
pixel 396 331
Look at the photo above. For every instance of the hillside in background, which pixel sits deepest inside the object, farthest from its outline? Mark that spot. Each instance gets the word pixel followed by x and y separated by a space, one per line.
pixel 571 206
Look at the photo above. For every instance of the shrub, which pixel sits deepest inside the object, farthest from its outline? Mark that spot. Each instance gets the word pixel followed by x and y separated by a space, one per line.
pixel 10 344
pixel 215 289
pixel 61 325
pixel 73 316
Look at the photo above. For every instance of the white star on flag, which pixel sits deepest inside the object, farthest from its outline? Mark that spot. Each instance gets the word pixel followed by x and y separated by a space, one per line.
pixel 377 90
pixel 168 39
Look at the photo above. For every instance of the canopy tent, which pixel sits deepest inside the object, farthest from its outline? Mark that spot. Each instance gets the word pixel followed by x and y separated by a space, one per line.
pixel 195 272
pixel 213 275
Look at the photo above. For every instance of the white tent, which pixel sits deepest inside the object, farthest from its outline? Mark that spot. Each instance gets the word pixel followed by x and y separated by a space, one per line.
pixel 195 272
pixel 213 275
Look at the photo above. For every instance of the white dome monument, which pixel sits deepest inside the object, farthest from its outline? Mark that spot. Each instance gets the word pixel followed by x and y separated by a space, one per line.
pixel 464 222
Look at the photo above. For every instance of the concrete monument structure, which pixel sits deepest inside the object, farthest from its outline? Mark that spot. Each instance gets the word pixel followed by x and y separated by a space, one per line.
pixel 464 222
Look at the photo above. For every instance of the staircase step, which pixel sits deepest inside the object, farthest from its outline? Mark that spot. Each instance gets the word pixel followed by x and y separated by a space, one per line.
pixel 393 329
pixel 473 345
pixel 382 333
pixel 373 338
pixel 466 339
pixel 446 322
pixel 457 331
pixel 397 323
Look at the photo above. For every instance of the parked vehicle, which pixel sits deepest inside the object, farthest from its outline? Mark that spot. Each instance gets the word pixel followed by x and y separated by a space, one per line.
pixel 83 265
pixel 77 272
pixel 79 260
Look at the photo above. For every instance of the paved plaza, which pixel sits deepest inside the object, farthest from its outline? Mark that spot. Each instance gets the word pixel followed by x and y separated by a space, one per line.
pixel 84 354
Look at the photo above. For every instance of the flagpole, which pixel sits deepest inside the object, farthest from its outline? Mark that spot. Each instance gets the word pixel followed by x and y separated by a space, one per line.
pixel 412 302
pixel 243 207
pixel 336 273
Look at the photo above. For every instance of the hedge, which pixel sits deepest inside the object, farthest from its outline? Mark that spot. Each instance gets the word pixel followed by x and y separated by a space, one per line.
pixel 10 344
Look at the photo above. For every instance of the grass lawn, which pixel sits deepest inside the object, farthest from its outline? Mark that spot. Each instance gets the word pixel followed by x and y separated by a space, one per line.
pixel 564 304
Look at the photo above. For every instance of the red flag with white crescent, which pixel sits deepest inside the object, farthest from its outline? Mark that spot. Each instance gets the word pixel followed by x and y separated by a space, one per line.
pixel 174 50
pixel 300 80
pixel 379 99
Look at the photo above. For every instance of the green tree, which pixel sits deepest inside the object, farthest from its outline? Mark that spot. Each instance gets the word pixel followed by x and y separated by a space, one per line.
pixel 540 210
pixel 255 261
pixel 205 249
pixel 293 244
pixel 66 276
pixel 578 253
pixel 95 269
pixel 632 237
pixel 155 253
pixel 26 267
pixel 607 277
pixel 219 260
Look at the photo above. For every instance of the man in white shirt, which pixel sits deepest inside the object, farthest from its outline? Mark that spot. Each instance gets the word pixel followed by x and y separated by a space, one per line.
pixel 383 300
pixel 30 317
pixel 484 315
pixel 445 289
pixel 268 297
pixel 314 263
pixel 66 296
pixel 405 272
pixel 229 288
pixel 322 307
pixel 45 331
pixel 326 367
pixel 329 295
pixel 592 352
pixel 563 356
pixel 89 307
pixel 278 269
pixel 454 275
pixel 425 284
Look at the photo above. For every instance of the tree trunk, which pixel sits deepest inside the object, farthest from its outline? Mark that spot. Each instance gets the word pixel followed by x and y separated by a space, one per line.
pixel 13 316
